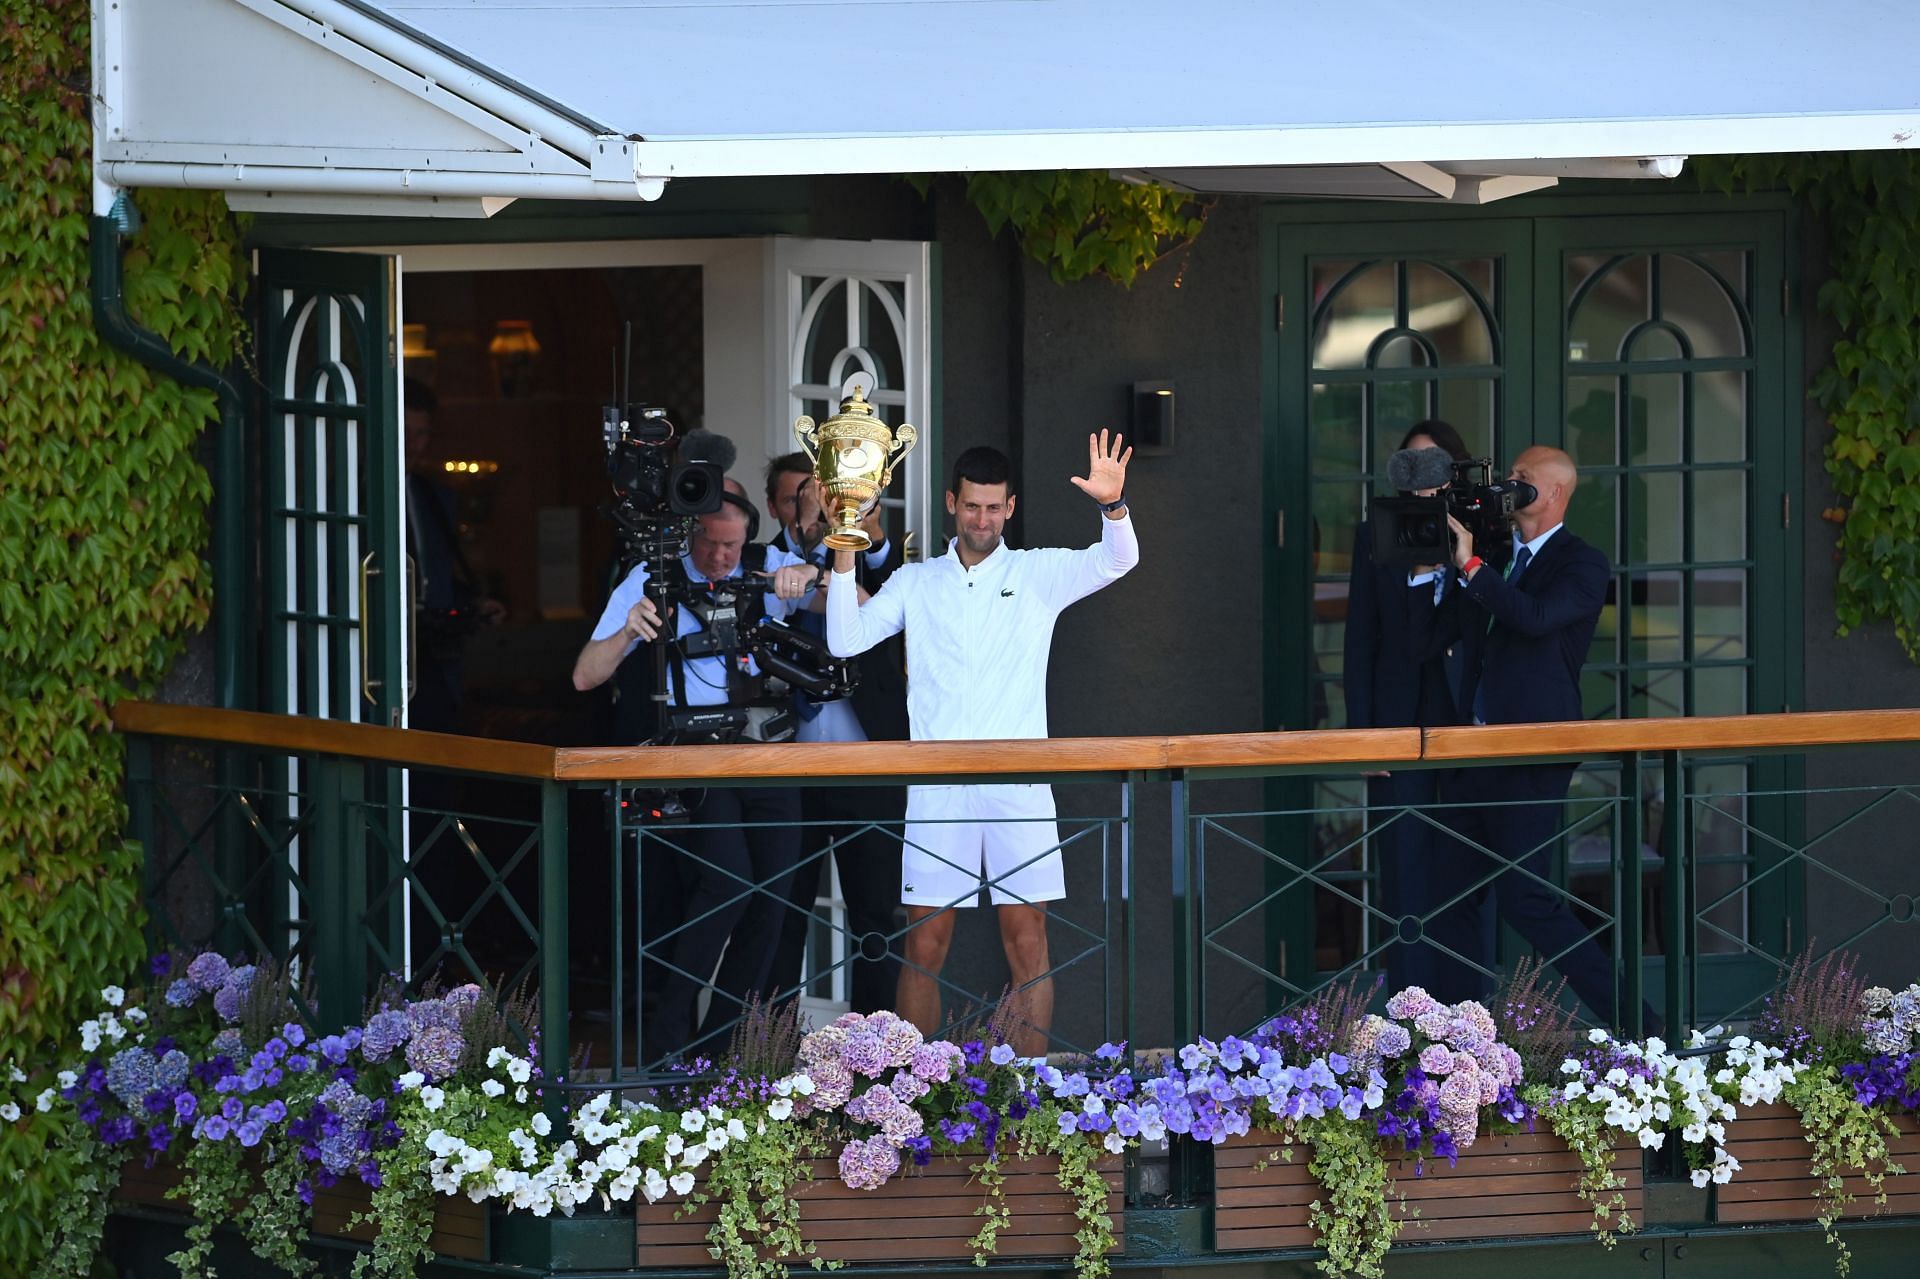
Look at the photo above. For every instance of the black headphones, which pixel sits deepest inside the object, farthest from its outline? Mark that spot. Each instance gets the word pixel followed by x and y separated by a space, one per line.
pixel 753 513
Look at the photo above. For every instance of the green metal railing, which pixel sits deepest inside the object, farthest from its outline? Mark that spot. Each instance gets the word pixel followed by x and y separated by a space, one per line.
pixel 361 853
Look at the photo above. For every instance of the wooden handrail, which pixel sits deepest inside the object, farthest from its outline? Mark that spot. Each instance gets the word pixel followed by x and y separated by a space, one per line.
pixel 1057 755
pixel 1702 733
pixel 301 734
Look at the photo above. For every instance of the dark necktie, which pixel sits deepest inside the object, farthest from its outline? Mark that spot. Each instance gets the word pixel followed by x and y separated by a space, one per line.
pixel 1521 558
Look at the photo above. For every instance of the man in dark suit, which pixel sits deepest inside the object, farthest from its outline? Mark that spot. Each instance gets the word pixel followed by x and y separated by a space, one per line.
pixel 1406 652
pixel 1539 620
pixel 860 823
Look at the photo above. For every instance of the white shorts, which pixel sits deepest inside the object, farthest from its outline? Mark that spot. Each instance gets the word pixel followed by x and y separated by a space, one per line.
pixel 959 836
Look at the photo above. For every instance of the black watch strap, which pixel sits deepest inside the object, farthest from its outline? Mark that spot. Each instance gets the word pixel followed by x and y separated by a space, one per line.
pixel 1107 508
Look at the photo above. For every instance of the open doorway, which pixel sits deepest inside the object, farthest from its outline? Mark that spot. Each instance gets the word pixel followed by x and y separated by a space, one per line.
pixel 507 481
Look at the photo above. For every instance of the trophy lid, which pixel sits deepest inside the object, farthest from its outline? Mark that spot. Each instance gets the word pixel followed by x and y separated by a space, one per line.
pixel 856 417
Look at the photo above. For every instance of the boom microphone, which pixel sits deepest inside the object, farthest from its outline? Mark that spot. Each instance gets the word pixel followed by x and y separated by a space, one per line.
pixel 1410 470
pixel 709 447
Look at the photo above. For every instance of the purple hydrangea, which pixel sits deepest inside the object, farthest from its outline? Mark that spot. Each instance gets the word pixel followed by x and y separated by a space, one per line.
pixel 228 1044
pixel 208 971
pixel 385 1032
pixel 432 1012
pixel 436 1051
pixel 172 1070
pixel 181 994
pixel 865 1053
pixel 229 1001
pixel 130 1075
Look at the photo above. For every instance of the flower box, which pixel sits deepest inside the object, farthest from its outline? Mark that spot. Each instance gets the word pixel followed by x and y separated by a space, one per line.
pixel 927 1214
pixel 459 1224
pixel 1776 1182
pixel 1504 1186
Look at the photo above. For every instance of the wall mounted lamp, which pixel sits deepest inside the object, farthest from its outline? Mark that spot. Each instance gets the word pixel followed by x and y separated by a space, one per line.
pixel 1151 420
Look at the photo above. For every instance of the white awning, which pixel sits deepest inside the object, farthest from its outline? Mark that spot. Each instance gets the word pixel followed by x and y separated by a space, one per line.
pixel 608 98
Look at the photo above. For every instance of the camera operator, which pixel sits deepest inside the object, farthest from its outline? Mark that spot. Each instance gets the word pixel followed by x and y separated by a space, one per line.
pixel 859 823
pixel 1405 662
pixel 1543 612
pixel 726 857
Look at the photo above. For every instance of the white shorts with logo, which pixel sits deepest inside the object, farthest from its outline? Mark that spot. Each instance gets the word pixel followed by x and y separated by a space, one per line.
pixel 960 839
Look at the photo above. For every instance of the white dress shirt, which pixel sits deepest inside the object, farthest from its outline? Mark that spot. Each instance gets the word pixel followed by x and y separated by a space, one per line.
pixel 706 676
pixel 978 637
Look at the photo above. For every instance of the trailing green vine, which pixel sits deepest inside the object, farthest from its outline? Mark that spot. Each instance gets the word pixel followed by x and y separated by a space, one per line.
pixel 1354 1219
pixel 401 1208
pixel 1870 388
pixel 102 524
pixel 216 1183
pixel 1848 1139
pixel 1588 1135
pixel 1080 1177
pixel 757 1229
pixel 274 1219
pixel 993 1211
pixel 1082 222
pixel 79 1218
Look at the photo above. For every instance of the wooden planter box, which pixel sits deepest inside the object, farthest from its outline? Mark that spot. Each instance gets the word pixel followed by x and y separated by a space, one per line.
pixel 459 1224
pixel 1504 1187
pixel 1775 1181
pixel 927 1214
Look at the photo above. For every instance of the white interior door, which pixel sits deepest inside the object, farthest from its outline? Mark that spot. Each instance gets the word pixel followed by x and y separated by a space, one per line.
pixel 852 306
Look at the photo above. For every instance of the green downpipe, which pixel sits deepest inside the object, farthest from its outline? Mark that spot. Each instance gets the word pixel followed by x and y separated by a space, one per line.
pixel 229 531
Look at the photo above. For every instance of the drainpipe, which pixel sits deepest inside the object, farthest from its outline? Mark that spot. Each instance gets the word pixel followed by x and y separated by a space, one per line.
pixel 111 319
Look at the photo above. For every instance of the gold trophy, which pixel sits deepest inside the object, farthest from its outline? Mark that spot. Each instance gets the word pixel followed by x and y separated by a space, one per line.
pixel 853 455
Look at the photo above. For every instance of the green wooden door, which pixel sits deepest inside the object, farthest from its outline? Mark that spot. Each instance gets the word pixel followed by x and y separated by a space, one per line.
pixel 1646 348
pixel 332 570
pixel 1662 370
pixel 1378 327
pixel 332 605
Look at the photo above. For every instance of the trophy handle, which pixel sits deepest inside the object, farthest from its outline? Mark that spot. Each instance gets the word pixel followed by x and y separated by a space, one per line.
pixel 904 438
pixel 809 436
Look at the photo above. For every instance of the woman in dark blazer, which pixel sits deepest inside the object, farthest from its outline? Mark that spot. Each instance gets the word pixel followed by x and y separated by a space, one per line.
pixel 1404 667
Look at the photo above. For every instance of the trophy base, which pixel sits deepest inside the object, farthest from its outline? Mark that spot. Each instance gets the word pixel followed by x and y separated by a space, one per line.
pixel 848 539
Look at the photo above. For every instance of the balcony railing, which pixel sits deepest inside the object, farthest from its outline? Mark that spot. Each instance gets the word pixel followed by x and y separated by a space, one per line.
pixel 1210 881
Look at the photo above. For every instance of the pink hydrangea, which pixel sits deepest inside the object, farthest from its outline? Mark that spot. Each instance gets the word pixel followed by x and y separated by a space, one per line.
pixel 1410 1003
pixel 865 1053
pixel 1436 1060
pixel 867 1163
pixel 901 1123
pixel 909 1087
pixel 832 1085
pixel 824 1044
pixel 934 1061
pixel 899 1038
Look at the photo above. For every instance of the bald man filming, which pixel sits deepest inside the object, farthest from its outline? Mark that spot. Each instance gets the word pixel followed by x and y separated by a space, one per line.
pixel 1539 618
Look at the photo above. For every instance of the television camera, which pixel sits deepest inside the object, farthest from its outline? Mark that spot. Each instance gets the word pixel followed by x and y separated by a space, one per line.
pixel 1409 530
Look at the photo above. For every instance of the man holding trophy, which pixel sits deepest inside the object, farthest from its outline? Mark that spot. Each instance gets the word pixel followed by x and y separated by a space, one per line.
pixel 979 622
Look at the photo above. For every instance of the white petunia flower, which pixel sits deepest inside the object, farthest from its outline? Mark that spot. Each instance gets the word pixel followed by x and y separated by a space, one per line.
pixel 113 996
pixel 432 1098
pixel 44 1102
pixel 411 1080
pixel 682 1182
pixel 492 1087
pixel 541 1125
pixel 780 1108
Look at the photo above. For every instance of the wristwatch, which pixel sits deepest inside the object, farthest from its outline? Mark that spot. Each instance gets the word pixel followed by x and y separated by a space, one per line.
pixel 1108 508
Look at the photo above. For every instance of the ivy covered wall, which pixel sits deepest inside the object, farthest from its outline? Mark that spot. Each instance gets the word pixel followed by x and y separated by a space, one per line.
pixel 102 536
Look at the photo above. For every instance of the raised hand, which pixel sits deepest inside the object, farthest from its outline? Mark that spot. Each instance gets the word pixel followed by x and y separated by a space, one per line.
pixel 1106 468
